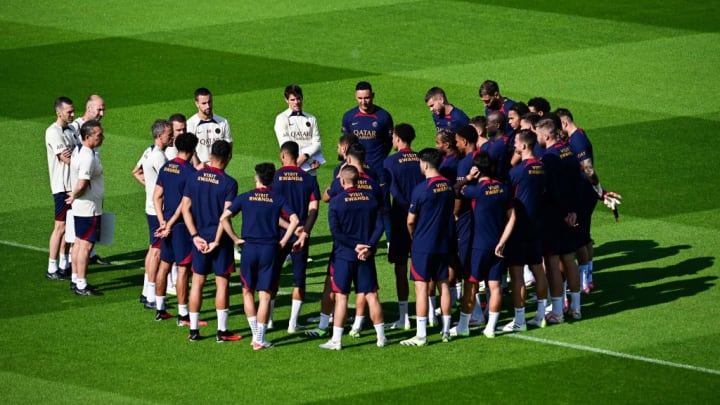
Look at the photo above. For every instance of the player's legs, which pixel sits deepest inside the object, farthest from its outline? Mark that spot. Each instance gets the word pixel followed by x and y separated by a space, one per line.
pixel 573 278
pixel 160 290
pixel 376 315
pixel 421 306
pixel 81 255
pixel 517 283
pixel 57 239
pixel 299 265
pixel 152 262
pixel 494 306
pixel 555 282
pixel 468 299
pixel 340 310
pixel 198 282
pixel 222 292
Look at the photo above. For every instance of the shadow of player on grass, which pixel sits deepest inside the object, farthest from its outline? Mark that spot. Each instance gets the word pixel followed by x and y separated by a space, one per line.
pixel 620 290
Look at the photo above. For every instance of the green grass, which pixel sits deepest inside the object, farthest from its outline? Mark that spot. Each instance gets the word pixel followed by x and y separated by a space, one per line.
pixel 640 78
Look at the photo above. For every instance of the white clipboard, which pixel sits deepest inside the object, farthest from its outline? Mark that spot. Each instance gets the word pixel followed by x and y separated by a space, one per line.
pixel 318 157
pixel 107 228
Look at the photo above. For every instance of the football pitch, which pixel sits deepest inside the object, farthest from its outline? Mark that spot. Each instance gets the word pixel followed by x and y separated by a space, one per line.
pixel 642 78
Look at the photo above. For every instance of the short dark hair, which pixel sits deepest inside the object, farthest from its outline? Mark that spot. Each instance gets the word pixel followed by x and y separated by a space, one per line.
pixel 405 132
pixel 60 101
pixel 291 148
pixel 564 112
pixel 357 151
pixel 520 108
pixel 467 132
pixel 431 156
pixel 549 124
pixel 177 117
pixel 527 136
pixel 484 163
pixel 488 87
pixel 539 104
pixel 294 90
pixel 186 142
pixel 433 92
pixel 222 150
pixel 348 139
pixel 88 128
pixel 265 172
pixel 202 91
pixel 350 173
pixel 363 86
pixel 531 117
pixel 158 127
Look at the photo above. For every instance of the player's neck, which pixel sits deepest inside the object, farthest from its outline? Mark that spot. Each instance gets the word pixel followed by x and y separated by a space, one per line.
pixel 203 116
pixel 430 173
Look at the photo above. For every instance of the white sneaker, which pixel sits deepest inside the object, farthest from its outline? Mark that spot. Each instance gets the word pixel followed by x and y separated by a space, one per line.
pixel 455 332
pixel 171 290
pixel 489 333
pixel 354 333
pixel 399 324
pixel 414 341
pixel 331 345
pixel 270 325
pixel 514 327
pixel 432 321
pixel 261 345
pixel 445 337
pixel 382 342
pixel 576 315
pixel 540 323
pixel 295 329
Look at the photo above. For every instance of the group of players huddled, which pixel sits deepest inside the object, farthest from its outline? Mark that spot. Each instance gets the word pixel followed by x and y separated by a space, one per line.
pixel 513 190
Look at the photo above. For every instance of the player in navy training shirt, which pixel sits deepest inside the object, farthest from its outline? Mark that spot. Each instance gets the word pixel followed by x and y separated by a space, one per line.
pixel 356 226
pixel 303 195
pixel 207 194
pixel 501 145
pixel 402 173
pixel 430 223
pixel 466 140
pixel 494 221
pixel 563 184
pixel 490 96
pixel 354 156
pixel 445 143
pixel 514 119
pixel 592 191
pixel 176 245
pixel 261 209
pixel 524 247
pixel 444 114
pixel 372 125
